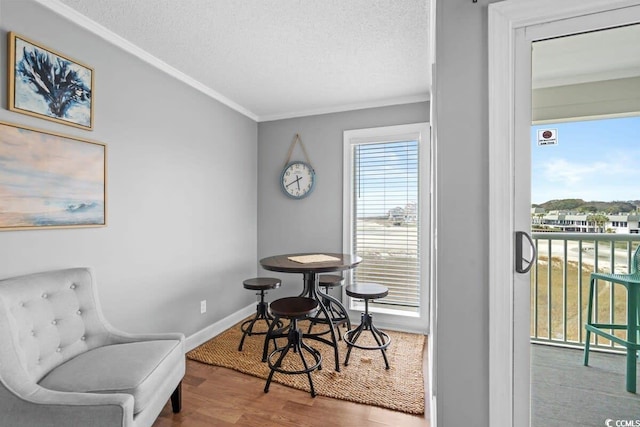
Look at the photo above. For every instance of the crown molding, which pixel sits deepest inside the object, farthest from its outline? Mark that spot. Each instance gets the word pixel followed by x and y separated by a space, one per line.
pixel 88 24
pixel 347 107
pixel 108 35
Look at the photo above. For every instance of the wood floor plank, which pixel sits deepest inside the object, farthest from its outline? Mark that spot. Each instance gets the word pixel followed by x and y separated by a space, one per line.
pixel 220 397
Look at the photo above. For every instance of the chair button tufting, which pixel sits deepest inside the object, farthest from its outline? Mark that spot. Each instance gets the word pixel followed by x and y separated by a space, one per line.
pixel 58 350
pixel 53 322
pixel 78 312
pixel 33 333
pixel 21 304
pixel 44 295
pixel 72 286
pixel 82 338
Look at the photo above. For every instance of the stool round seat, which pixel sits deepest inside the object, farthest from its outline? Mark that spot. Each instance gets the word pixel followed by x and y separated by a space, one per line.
pixel 262 283
pixel 367 291
pixel 294 307
pixel 330 280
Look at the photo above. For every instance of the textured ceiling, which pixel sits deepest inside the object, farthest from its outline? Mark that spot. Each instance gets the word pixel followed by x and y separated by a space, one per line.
pixel 282 58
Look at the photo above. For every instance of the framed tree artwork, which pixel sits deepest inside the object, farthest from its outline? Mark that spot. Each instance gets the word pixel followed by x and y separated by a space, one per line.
pixel 46 84
pixel 50 180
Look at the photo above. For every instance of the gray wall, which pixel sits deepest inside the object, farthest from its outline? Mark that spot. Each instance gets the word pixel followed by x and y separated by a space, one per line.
pixel 178 231
pixel 176 234
pixel 462 348
pixel 312 224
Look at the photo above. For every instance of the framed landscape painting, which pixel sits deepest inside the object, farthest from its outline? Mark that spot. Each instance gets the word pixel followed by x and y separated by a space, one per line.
pixel 49 180
pixel 46 84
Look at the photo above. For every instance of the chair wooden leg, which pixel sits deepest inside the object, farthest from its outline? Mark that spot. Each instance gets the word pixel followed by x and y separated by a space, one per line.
pixel 176 399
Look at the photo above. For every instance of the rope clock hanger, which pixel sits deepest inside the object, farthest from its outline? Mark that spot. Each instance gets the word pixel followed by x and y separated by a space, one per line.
pixel 298 178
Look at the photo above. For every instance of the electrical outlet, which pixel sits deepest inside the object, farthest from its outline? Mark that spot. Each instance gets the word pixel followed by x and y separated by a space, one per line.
pixel 203 306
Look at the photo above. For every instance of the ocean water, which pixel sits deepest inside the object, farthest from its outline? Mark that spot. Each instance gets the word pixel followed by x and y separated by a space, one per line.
pixel 77 213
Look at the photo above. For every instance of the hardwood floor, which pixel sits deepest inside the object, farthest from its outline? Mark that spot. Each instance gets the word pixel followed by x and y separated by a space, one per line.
pixel 215 396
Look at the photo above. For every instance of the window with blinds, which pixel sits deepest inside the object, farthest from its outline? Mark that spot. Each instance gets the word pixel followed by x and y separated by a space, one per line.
pixel 385 219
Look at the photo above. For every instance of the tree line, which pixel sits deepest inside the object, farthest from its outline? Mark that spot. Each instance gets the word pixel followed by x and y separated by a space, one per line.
pixel 579 205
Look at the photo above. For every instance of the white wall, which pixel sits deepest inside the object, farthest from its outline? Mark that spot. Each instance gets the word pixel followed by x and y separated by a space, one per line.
pixel 182 202
pixel 613 98
pixel 462 349
pixel 312 224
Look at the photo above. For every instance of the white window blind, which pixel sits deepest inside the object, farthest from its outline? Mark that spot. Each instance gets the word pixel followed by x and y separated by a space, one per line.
pixel 385 221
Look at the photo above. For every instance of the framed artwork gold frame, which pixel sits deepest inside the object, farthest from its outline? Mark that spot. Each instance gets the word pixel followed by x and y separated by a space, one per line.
pixel 50 180
pixel 47 84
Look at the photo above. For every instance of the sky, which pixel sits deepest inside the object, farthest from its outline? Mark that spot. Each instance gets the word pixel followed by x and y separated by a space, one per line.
pixel 387 178
pixel 38 168
pixel 595 160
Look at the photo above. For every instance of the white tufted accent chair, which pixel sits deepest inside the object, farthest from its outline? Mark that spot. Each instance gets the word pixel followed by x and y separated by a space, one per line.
pixel 62 364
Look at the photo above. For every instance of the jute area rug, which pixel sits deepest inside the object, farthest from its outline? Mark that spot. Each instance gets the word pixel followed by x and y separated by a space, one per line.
pixel 365 380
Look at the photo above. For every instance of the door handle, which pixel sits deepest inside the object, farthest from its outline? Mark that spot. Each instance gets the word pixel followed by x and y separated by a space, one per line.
pixel 520 260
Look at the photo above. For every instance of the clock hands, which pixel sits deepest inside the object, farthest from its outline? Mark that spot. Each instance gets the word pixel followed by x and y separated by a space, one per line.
pixel 297 180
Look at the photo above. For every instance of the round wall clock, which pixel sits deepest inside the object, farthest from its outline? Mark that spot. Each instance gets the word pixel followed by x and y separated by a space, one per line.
pixel 297 179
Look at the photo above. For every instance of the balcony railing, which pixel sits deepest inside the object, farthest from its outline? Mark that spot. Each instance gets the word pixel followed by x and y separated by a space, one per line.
pixel 560 285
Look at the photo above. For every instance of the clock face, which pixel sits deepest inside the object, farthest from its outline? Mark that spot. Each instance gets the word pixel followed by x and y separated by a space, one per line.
pixel 297 179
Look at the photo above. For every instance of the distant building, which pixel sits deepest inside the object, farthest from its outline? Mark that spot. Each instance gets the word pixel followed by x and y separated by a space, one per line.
pixel 408 214
pixel 622 223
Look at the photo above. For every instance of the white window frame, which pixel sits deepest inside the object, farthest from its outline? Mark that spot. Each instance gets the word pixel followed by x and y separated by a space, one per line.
pixel 417 322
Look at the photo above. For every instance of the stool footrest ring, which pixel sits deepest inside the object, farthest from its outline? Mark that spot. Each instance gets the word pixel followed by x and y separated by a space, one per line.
pixel 295 341
pixel 386 340
pixel 262 314
pixel 315 353
pixel 366 324
pixel 245 327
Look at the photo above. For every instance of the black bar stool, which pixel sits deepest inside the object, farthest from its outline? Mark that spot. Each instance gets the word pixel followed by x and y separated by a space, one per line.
pixel 294 309
pixel 367 291
pixel 261 284
pixel 338 316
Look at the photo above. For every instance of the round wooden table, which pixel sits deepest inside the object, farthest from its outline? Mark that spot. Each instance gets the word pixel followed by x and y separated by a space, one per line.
pixel 328 262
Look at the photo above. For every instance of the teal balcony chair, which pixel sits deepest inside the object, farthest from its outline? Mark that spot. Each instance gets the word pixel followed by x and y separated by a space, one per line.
pixel 630 281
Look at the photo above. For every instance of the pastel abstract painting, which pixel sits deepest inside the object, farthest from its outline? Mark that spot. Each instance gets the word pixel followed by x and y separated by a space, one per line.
pixel 50 180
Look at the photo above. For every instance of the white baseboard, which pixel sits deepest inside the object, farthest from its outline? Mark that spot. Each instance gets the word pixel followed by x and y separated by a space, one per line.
pixel 205 334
